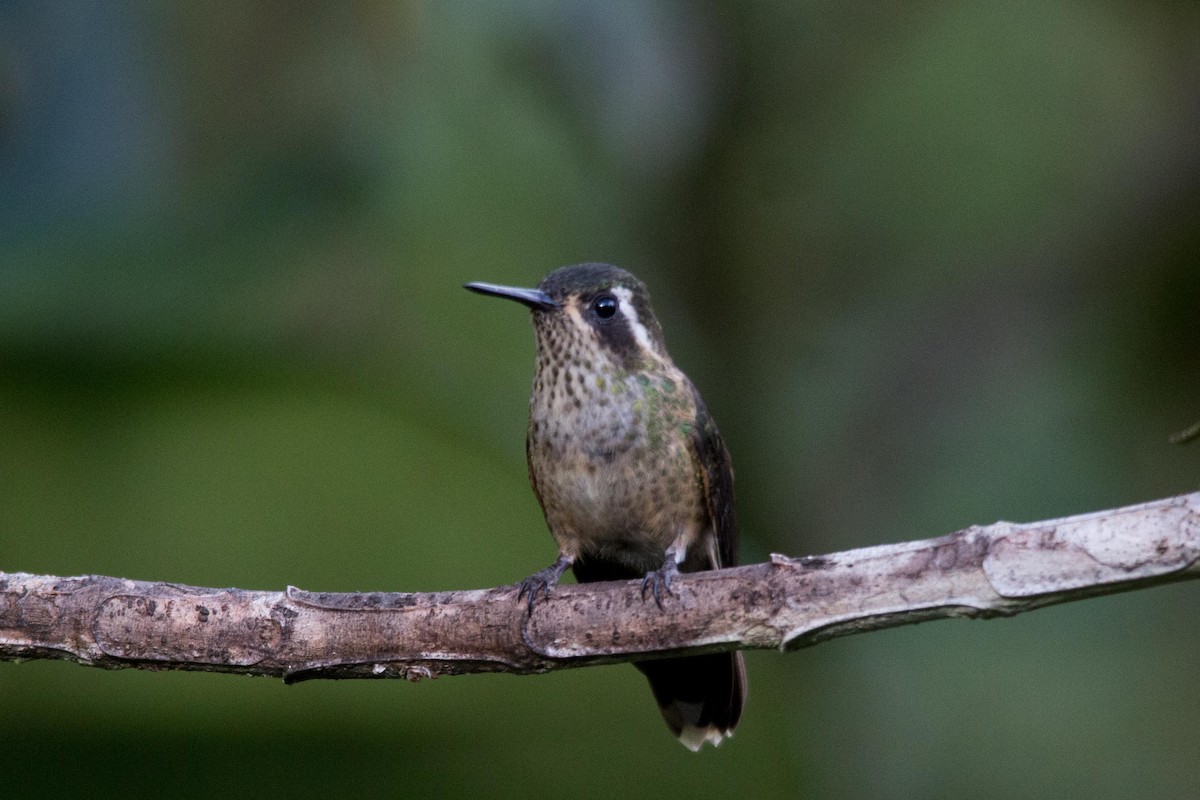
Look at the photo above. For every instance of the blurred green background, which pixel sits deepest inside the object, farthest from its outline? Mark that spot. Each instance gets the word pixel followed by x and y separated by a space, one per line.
pixel 930 264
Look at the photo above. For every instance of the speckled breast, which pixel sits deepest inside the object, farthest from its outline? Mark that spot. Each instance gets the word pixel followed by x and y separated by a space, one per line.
pixel 610 455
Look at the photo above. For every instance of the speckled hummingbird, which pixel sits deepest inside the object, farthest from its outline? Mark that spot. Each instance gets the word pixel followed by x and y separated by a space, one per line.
pixel 630 471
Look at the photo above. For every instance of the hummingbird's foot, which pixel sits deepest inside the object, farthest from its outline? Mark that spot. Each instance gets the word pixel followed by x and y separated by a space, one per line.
pixel 659 580
pixel 542 581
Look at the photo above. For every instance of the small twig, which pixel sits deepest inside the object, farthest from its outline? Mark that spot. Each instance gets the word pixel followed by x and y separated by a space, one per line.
pixel 999 569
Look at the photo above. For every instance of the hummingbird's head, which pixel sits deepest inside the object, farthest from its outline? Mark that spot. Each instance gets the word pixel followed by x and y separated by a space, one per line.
pixel 596 307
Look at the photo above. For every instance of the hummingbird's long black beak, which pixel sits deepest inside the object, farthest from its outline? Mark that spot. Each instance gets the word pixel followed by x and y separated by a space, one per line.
pixel 534 298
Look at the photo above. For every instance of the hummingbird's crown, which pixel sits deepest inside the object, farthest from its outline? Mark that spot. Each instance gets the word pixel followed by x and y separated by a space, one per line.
pixel 588 278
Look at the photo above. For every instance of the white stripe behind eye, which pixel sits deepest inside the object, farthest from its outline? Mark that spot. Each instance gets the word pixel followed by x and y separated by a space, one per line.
pixel 631 315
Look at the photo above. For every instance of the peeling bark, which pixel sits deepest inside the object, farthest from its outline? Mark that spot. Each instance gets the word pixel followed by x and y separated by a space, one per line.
pixel 786 603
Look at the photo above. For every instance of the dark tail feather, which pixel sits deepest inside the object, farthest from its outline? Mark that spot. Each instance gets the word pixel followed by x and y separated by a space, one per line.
pixel 701 697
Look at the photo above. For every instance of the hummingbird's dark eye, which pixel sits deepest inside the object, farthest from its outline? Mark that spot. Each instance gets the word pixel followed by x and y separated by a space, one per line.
pixel 604 306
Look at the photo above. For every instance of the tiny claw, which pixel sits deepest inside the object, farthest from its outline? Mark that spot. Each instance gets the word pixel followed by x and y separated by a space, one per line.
pixel 542 581
pixel 532 586
pixel 658 580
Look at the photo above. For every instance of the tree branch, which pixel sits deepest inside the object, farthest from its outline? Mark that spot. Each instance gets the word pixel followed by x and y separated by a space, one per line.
pixel 994 570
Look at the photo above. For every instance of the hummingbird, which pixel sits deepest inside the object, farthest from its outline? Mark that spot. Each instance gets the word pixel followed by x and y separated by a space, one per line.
pixel 632 476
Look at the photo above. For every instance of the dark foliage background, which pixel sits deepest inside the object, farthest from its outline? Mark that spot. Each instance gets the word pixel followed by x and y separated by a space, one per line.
pixel 931 265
